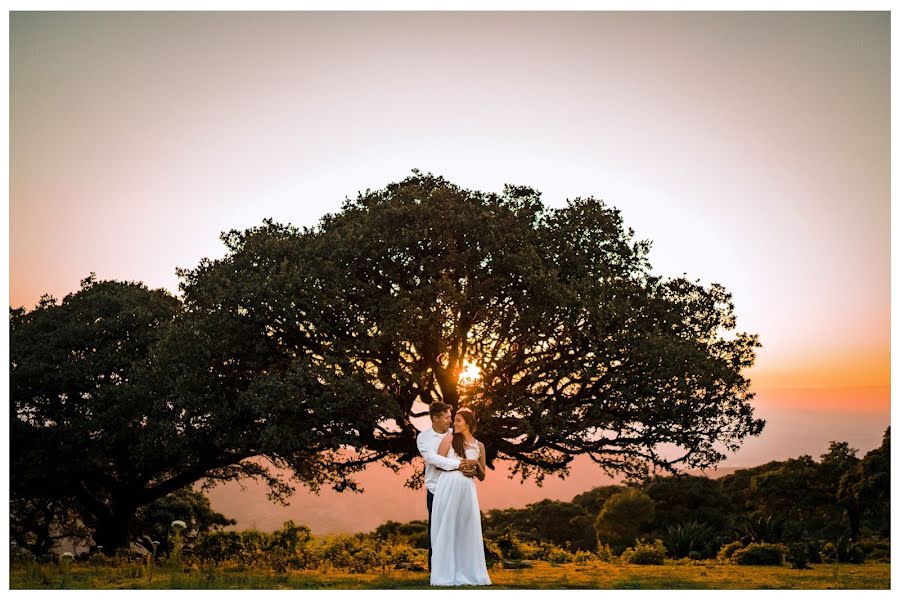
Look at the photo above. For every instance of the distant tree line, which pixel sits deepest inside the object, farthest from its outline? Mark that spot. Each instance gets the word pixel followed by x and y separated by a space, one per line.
pixel 798 500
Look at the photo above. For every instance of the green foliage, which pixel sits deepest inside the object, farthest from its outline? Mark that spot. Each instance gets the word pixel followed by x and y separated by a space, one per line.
pixel 878 550
pixel 685 538
pixel 76 418
pixel 814 551
pixel 764 529
pixel 219 546
pixel 36 524
pixel 605 553
pixel 290 547
pixel 620 521
pixel 153 521
pixel 413 533
pixel 510 546
pixel 843 550
pixel 798 555
pixel 357 553
pixel 405 283
pixel 492 552
pixel 760 554
pixel 685 499
pixel 592 501
pixel 552 521
pixel 864 489
pixel 645 552
pixel 728 550
pixel 560 555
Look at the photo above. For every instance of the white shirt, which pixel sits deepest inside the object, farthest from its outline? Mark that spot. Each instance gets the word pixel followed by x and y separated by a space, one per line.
pixel 428 442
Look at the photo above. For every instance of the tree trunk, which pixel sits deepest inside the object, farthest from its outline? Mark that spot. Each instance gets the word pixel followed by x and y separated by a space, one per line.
pixel 114 531
pixel 854 516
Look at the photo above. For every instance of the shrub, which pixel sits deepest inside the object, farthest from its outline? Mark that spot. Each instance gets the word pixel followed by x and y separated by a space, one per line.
pixel 798 555
pixel 510 546
pixel 356 553
pixel 254 544
pixel 534 550
pixel 403 553
pixel 560 555
pixel 605 553
pixel 290 537
pixel 622 517
pixel 218 546
pixel 684 538
pixel 760 554
pixel 582 557
pixel 760 529
pixel 876 549
pixel 645 553
pixel 491 552
pixel 290 547
pixel 728 550
pixel 843 550
pixel 814 551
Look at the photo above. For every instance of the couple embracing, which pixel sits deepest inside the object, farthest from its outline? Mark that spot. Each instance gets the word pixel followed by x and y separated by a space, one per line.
pixel 452 459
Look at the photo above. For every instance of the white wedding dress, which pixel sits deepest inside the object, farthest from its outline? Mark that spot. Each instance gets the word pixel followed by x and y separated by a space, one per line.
pixel 456 542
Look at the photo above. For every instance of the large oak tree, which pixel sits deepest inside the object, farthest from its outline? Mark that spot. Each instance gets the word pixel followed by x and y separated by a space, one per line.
pixel 581 349
pixel 120 396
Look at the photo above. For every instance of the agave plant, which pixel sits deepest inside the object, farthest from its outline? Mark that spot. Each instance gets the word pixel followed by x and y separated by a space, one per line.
pixel 684 538
pixel 767 529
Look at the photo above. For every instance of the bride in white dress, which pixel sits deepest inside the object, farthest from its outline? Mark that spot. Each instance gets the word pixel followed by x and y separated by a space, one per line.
pixel 456 540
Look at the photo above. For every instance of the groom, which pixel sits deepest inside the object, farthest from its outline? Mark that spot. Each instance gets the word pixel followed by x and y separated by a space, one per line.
pixel 428 442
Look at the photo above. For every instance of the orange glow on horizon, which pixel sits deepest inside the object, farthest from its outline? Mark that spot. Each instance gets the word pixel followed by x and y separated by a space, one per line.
pixel 838 367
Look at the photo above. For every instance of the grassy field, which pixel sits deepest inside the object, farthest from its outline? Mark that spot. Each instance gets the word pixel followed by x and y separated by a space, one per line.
pixel 597 575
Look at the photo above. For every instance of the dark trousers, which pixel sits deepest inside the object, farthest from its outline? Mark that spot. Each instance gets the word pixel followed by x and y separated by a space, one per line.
pixel 429 500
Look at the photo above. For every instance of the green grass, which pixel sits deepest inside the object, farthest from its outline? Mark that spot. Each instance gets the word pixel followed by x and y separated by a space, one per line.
pixel 595 575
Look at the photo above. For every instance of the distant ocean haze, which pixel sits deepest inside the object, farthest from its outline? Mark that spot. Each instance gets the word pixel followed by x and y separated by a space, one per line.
pixel 798 421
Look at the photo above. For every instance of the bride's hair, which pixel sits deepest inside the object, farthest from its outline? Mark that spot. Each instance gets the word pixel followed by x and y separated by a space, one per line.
pixel 459 443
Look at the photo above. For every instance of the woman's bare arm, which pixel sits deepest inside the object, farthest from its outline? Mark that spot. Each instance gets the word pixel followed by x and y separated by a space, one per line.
pixel 444 448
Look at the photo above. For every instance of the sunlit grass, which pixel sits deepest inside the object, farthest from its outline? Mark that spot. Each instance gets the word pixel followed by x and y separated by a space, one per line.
pixel 594 575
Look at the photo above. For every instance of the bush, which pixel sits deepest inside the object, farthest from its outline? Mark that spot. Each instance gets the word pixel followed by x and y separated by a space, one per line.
pixel 534 550
pixel 876 550
pixel 491 552
pixel 605 553
pixel 510 546
pixel 814 551
pixel 414 533
pixel 843 550
pixel 560 555
pixel 290 547
pixel 582 557
pixel 402 553
pixel 798 555
pixel 726 552
pixel 357 553
pixel 760 554
pixel 645 553
pixel 218 546
pixel 684 538
pixel 622 517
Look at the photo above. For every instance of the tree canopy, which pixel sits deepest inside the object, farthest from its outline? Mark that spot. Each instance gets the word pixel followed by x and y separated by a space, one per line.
pixel 580 350
pixel 121 397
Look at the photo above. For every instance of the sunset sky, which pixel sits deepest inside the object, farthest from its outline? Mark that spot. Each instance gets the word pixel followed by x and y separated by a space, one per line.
pixel 753 149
